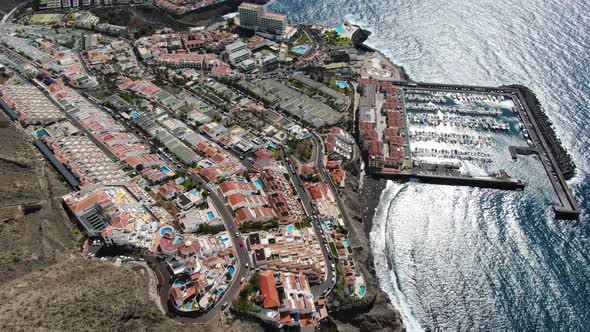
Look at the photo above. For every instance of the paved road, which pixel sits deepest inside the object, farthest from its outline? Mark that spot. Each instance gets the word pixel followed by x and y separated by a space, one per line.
pixel 353 237
pixel 312 212
pixel 242 255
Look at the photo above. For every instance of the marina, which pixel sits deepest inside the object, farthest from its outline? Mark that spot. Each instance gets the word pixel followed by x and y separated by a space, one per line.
pixel 460 135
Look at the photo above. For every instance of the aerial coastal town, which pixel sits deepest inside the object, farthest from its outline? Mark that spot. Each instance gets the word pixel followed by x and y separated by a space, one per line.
pixel 220 155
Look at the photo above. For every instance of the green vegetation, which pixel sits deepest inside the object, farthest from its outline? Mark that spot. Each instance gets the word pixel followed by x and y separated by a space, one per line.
pixel 304 223
pixel 342 230
pixel 210 229
pixel 301 39
pixel 129 97
pixel 333 250
pixel 188 184
pixel 302 149
pixel 249 299
pixel 294 55
pixel 253 227
pixel 333 39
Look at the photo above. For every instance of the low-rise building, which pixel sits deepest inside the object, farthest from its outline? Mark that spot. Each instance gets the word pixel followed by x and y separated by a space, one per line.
pixel 169 190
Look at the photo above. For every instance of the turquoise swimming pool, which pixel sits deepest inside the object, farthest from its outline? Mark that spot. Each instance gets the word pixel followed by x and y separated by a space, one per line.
pixel 231 269
pixel 219 292
pixel 166 230
pixel 258 184
pixel 224 239
pixel 362 291
pixel 290 227
pixel 342 84
pixel 42 132
pixel 340 29
pixel 301 49
pixel 134 114
pixel 345 243
pixel 210 215
pixel 241 180
pixel 164 169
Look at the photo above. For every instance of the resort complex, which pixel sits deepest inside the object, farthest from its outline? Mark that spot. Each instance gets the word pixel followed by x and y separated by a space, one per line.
pixel 226 158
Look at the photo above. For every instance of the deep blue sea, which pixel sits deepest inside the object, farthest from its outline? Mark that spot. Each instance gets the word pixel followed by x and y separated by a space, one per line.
pixel 457 258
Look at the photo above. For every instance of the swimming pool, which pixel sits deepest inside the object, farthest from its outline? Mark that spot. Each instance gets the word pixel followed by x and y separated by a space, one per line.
pixel 210 215
pixel 166 230
pixel 324 226
pixel 258 184
pixel 224 239
pixel 290 227
pixel 164 169
pixel 301 49
pixel 342 84
pixel 179 283
pixel 340 29
pixel 134 114
pixel 179 180
pixel 42 132
pixel 207 163
pixel 231 269
pixel 362 291
pixel 345 243
pixel 219 292
pixel 241 180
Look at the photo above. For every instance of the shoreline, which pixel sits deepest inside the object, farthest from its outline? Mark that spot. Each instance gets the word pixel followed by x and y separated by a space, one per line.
pixel 375 311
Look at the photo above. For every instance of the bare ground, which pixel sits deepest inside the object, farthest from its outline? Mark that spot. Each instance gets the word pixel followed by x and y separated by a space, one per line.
pixel 44 283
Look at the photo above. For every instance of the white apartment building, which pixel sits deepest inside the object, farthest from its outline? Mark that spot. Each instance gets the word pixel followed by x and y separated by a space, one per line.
pixel 254 17
pixel 249 14
pixel 273 23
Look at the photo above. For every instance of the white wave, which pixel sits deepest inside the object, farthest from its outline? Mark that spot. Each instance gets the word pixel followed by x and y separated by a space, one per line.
pixel 356 20
pixel 388 279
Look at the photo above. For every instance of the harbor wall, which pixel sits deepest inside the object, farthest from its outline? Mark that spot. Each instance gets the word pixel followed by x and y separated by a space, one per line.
pixel 564 159
pixel 493 183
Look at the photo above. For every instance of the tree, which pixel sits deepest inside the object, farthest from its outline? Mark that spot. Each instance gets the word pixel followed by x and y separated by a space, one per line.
pixel 230 23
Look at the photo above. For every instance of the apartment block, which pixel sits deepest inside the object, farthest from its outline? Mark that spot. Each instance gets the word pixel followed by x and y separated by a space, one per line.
pixel 254 17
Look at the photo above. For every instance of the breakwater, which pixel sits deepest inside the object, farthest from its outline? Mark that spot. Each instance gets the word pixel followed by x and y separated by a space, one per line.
pixel 563 158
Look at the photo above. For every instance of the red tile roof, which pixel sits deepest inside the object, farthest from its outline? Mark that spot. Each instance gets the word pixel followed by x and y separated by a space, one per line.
pixel 268 288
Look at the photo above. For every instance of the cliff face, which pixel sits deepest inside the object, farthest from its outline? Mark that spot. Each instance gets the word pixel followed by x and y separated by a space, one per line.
pixel 44 284
pixel 374 312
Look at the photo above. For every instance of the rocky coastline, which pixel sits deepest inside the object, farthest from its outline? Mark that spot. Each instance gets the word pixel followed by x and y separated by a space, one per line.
pixel 374 312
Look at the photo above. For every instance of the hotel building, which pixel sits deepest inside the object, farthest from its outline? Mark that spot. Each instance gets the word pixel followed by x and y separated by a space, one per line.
pixel 254 17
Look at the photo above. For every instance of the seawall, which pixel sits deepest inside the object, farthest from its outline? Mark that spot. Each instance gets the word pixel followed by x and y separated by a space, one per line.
pixel 564 160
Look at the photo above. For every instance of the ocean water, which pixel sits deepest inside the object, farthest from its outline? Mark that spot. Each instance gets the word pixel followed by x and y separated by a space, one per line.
pixel 458 258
